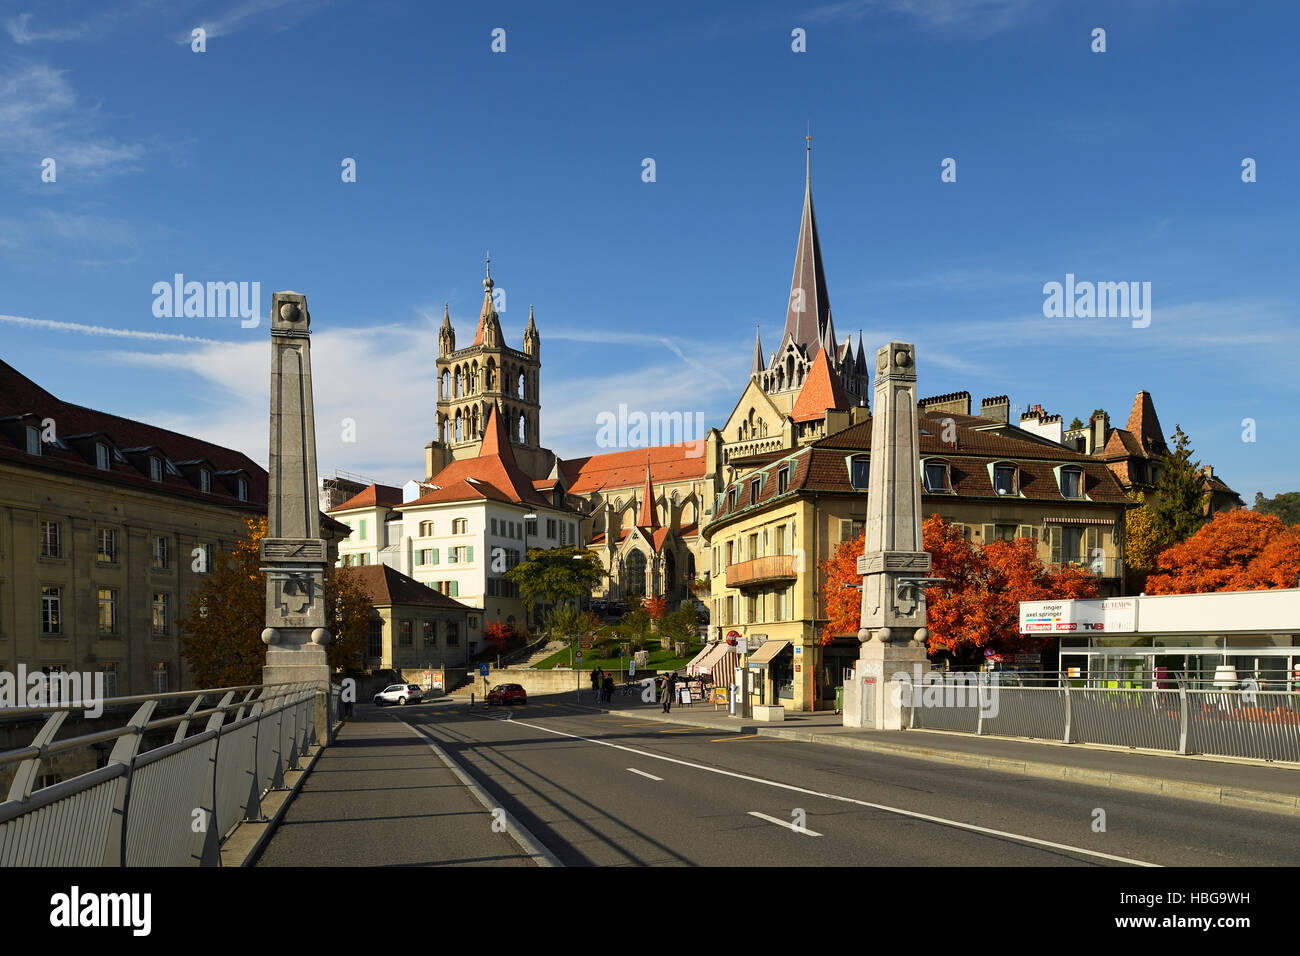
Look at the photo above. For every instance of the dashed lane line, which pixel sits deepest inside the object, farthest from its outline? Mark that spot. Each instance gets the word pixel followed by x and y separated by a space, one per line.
pixel 784 823
pixel 912 814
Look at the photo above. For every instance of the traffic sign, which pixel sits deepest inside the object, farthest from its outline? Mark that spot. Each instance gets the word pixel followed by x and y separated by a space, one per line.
pixel 579 657
pixel 484 670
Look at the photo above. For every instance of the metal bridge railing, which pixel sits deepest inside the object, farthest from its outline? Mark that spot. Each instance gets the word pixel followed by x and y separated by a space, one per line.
pixel 171 804
pixel 1238 723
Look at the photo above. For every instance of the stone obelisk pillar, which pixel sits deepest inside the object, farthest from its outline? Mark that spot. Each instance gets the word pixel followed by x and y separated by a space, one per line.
pixel 892 633
pixel 293 552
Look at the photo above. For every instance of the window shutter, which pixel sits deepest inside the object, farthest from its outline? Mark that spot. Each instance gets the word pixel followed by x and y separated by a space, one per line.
pixel 846 529
pixel 1054 539
pixel 434 552
pixel 989 532
pixel 1089 546
pixel 469 554
pixel 455 589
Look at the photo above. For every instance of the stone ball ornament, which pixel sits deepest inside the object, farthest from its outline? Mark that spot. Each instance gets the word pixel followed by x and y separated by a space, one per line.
pixel 921 636
pixel 320 636
pixel 902 358
pixel 290 312
pixel 270 636
pixel 864 635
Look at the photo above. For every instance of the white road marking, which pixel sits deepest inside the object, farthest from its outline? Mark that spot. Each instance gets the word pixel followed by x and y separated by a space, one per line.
pixel 643 773
pixel 784 823
pixel 862 803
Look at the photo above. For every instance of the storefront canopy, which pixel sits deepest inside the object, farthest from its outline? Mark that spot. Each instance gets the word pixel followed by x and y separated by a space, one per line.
pixel 767 653
pixel 704 652
pixel 705 663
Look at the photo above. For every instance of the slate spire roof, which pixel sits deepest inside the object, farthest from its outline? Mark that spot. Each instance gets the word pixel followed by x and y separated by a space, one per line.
pixel 808 285
pixel 759 365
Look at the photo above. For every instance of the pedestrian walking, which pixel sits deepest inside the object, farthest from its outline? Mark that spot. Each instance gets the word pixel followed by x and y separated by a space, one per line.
pixel 609 688
pixel 670 688
pixel 595 684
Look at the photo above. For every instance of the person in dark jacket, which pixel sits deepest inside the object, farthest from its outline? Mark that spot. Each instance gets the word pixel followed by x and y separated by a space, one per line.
pixel 609 688
pixel 670 689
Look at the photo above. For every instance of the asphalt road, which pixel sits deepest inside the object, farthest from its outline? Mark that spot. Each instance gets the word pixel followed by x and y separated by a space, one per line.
pixel 612 790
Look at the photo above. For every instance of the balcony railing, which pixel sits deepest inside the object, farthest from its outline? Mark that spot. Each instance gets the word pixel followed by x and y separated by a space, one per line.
pixel 776 567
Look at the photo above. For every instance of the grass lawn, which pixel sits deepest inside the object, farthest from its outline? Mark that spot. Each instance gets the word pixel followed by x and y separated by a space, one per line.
pixel 660 660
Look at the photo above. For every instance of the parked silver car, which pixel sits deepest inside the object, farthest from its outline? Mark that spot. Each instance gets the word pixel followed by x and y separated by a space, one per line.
pixel 399 694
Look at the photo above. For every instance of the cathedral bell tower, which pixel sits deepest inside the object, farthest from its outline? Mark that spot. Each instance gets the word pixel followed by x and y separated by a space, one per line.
pixel 487 373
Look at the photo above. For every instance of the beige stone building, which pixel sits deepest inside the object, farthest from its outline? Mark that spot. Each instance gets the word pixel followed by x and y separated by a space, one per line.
pixel 786 511
pixel 107 527
pixel 412 625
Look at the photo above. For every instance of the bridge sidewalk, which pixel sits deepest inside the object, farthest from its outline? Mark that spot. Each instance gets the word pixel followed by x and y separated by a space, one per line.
pixel 1250 784
pixel 381 796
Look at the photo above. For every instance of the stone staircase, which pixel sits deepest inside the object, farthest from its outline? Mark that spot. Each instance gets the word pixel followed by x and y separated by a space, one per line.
pixel 538 656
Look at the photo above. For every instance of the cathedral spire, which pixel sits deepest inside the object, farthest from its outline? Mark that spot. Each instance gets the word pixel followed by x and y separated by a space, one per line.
pixel 488 315
pixel 757 368
pixel 808 308
pixel 648 519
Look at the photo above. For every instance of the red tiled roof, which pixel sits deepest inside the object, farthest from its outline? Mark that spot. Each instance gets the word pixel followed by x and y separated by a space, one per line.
pixel 821 467
pixel 387 585
pixel 493 474
pixel 821 390
pixel 626 469
pixel 76 426
pixel 372 496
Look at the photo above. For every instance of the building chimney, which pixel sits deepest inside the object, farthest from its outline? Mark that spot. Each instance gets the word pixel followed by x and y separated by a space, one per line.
pixel 997 408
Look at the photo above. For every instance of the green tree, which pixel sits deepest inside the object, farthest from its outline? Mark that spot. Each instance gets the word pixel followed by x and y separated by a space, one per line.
pixel 682 624
pixel 1178 500
pixel 1076 423
pixel 552 576
pixel 635 628
pixel 566 623
pixel 1284 505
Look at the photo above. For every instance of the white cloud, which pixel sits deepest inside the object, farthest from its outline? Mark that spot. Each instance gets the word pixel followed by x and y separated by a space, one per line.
pixel 81 329
pixel 241 15
pixel 41 116
pixel 970 18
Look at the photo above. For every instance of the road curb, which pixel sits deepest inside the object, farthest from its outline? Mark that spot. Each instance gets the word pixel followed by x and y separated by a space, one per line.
pixel 1243 798
pixel 536 851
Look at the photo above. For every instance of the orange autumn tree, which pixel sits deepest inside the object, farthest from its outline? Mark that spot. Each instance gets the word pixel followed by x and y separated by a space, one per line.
pixel 977 606
pixel 1238 550
pixel 221 636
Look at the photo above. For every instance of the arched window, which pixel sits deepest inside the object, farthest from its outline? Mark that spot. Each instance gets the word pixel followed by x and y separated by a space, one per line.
pixel 635 584
pixel 460 428
pixel 523 432
pixel 446 384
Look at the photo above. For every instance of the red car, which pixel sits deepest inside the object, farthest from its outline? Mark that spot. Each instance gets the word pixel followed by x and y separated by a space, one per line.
pixel 507 694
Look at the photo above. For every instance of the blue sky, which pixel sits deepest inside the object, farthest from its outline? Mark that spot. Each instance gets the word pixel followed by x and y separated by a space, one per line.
pixel 225 166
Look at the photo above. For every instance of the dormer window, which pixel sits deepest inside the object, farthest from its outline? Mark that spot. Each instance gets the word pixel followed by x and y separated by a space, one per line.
pixel 936 477
pixel 33 440
pixel 155 468
pixel 860 472
pixel 782 480
pixel 731 499
pixel 1004 479
pixel 101 456
pixel 241 488
pixel 1071 483
pixel 205 481
pixel 755 487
